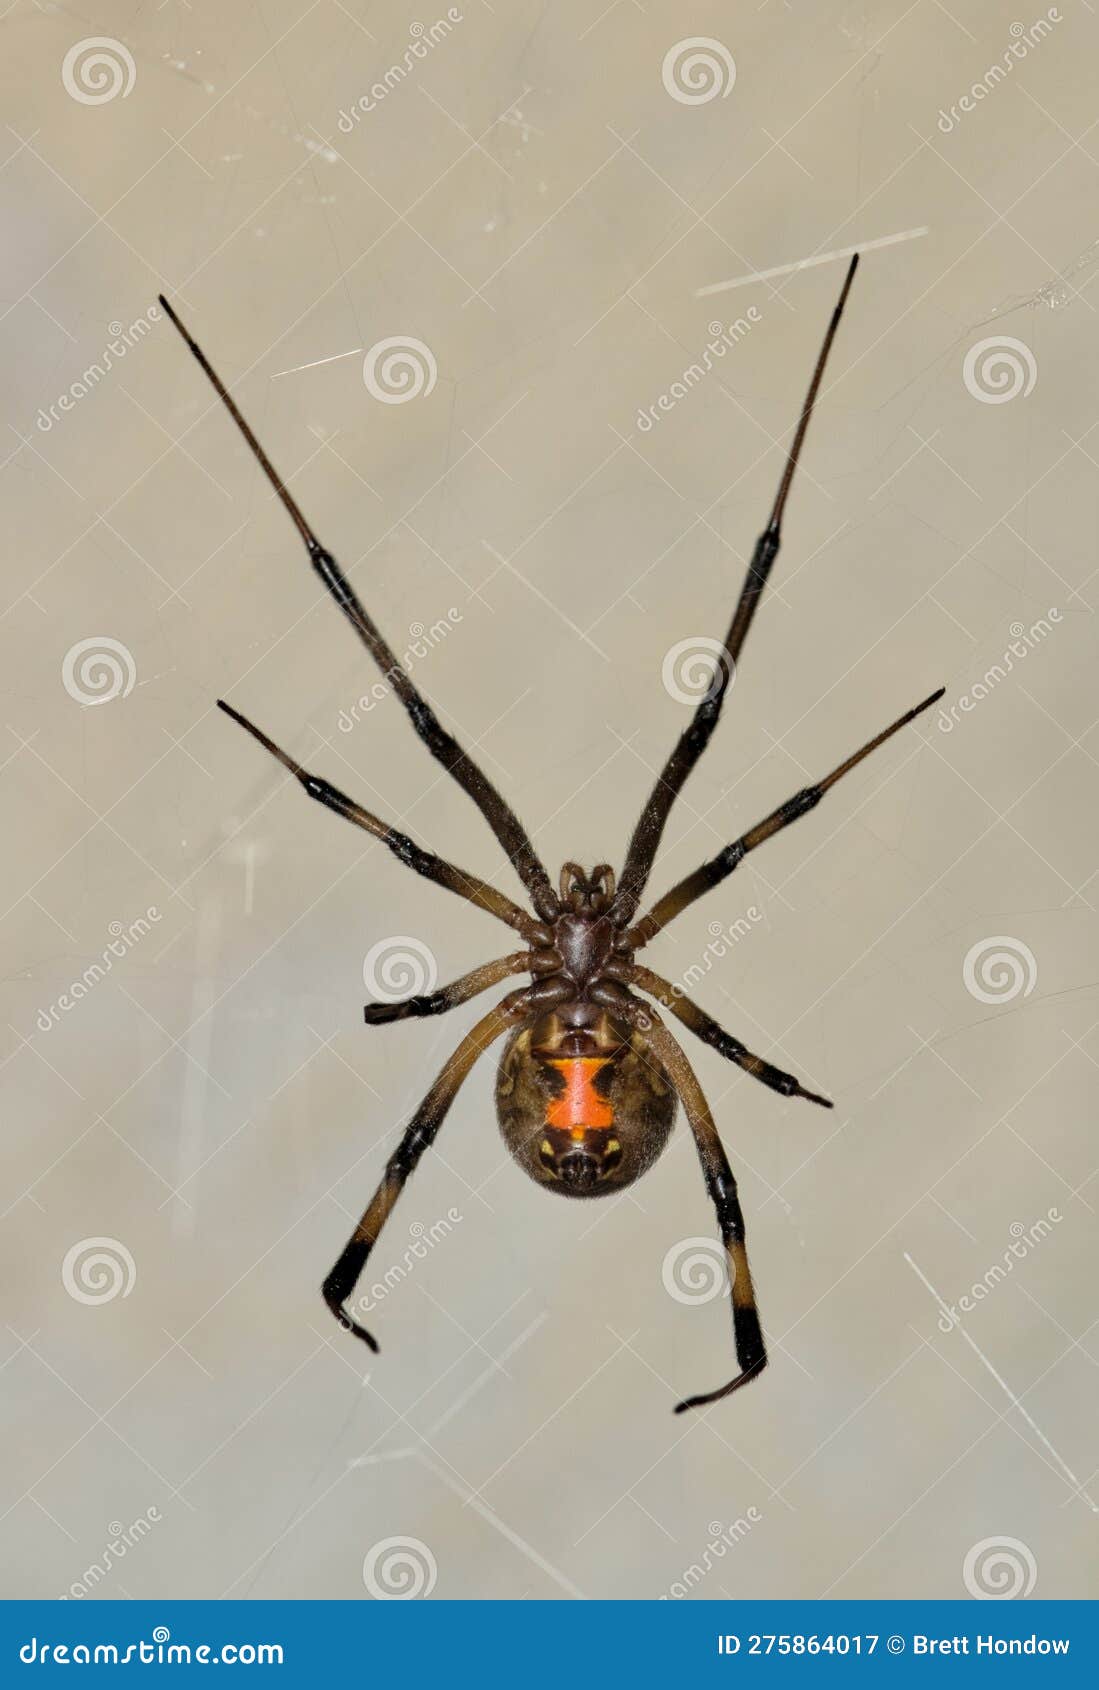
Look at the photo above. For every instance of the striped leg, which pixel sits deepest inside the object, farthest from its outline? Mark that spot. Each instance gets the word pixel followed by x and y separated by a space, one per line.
pixel 449 997
pixel 434 868
pixel 751 1351
pixel 711 874
pixel 418 1135
pixel 503 821
pixel 696 736
pixel 710 1032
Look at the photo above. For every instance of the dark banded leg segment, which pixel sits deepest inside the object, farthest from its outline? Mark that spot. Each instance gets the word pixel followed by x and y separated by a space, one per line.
pixel 449 997
pixel 418 1135
pixel 467 886
pixel 751 1351
pixel 711 874
pixel 503 821
pixel 695 738
pixel 711 1033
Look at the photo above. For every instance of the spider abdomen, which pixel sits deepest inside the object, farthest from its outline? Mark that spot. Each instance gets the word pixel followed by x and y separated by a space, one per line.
pixel 582 1107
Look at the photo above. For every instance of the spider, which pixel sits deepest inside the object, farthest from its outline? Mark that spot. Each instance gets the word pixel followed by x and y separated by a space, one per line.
pixel 590 1075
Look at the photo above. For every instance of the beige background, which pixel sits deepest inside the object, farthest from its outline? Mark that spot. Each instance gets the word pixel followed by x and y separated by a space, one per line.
pixel 533 204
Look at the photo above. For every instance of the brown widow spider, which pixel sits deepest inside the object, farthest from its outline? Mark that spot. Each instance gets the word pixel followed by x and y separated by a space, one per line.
pixel 589 1077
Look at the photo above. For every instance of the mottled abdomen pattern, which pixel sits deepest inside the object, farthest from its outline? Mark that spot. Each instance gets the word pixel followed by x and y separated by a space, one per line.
pixel 584 1111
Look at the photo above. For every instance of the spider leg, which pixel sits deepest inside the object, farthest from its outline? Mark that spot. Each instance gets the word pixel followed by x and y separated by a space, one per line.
pixel 711 1033
pixel 449 997
pixel 711 874
pixel 695 738
pixel 419 1133
pixel 504 823
pixel 434 868
pixel 747 1332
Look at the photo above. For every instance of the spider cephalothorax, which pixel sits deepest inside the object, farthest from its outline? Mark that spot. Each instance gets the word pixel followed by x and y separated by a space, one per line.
pixel 590 1075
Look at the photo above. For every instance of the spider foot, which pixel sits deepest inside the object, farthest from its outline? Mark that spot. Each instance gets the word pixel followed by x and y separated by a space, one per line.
pixel 744 1378
pixel 333 1296
pixel 815 1097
